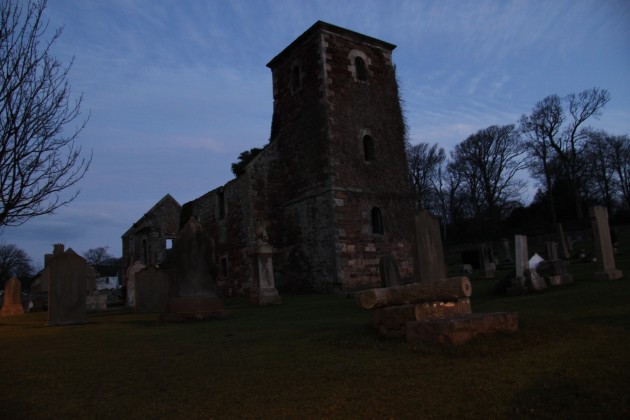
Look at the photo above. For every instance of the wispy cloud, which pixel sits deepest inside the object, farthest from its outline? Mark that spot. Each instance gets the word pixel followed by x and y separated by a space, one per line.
pixel 178 89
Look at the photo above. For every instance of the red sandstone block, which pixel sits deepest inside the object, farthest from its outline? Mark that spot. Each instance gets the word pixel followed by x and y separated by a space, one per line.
pixel 456 331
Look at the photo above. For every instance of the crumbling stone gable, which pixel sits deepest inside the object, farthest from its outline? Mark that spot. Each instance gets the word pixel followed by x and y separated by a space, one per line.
pixel 148 239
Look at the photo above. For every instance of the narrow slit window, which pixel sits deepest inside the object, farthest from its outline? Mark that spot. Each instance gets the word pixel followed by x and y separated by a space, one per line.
pixel 377 221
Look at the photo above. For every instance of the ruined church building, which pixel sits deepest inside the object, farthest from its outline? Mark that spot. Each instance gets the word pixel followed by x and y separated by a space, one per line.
pixel 330 186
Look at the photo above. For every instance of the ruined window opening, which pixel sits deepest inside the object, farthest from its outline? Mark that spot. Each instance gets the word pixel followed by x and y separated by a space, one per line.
pixel 296 78
pixel 377 221
pixel 368 148
pixel 221 203
pixel 169 243
pixel 360 68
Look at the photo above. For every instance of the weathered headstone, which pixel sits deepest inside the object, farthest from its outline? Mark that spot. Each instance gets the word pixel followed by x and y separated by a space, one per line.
pixel 388 270
pixel 554 272
pixel 569 240
pixel 563 242
pixel 552 250
pixel 263 291
pixel 526 277
pixel 506 249
pixel 521 258
pixel 536 281
pixel 12 299
pixel 603 245
pixel 428 254
pixel 67 289
pixel 96 302
pixel 131 282
pixel 487 263
pixel 194 276
pixel 152 290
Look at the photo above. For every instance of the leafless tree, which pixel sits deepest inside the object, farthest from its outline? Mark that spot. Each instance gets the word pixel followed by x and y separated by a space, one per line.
pixel 424 162
pixel 556 131
pixel 14 262
pixel 490 161
pixel 97 256
pixel 540 128
pixel 620 160
pixel 39 160
pixel 601 182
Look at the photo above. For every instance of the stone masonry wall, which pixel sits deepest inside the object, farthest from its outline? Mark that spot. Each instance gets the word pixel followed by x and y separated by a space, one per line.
pixel 146 240
pixel 299 184
pixel 360 108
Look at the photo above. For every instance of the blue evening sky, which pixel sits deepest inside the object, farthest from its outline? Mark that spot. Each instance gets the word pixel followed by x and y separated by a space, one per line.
pixel 177 89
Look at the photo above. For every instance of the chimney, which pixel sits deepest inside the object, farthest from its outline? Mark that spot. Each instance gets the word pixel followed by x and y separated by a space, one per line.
pixel 58 249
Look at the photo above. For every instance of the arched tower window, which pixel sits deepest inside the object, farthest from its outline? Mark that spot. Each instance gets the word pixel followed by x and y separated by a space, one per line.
pixel 368 148
pixel 361 69
pixel 377 221
pixel 359 64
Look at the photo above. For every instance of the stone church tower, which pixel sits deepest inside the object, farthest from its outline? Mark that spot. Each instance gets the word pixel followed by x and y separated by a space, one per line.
pixel 330 187
pixel 339 131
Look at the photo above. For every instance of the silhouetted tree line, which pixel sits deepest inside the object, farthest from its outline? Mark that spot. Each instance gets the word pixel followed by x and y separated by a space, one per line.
pixel 477 191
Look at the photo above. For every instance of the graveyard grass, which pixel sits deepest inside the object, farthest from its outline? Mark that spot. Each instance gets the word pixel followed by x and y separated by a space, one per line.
pixel 318 357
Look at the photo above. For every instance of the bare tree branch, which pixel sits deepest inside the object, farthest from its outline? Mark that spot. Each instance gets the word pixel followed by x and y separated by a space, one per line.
pixel 39 158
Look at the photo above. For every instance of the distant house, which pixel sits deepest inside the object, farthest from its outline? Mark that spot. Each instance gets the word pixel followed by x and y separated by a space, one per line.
pixel 41 282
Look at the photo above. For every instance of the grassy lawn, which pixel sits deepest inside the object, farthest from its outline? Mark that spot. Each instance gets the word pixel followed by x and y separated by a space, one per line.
pixel 318 357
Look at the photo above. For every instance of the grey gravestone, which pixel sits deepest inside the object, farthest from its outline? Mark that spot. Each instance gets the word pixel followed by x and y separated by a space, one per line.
pixel 526 278
pixel 67 290
pixel 563 242
pixel 506 249
pixel 96 302
pixel 486 260
pixel 552 250
pixel 263 291
pixel 131 282
pixel 428 255
pixel 12 299
pixel 534 280
pixel 152 290
pixel 521 260
pixel 603 245
pixel 194 276
pixel 388 270
pixel 554 272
